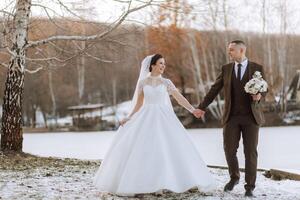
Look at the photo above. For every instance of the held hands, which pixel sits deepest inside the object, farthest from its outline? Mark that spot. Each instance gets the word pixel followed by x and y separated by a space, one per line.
pixel 198 113
pixel 256 97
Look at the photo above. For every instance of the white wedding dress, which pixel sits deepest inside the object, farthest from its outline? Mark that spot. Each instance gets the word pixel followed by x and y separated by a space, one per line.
pixel 153 151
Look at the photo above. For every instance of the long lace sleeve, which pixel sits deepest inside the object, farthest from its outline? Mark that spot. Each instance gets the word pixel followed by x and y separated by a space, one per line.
pixel 181 100
pixel 140 87
pixel 170 86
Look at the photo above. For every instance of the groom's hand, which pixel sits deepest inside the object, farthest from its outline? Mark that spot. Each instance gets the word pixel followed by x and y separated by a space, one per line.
pixel 256 97
pixel 198 113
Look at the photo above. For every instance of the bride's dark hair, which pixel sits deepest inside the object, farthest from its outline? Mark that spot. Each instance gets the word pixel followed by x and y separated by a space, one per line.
pixel 154 59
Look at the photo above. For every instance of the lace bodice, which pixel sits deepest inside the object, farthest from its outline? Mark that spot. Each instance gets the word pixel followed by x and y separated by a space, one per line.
pixel 157 89
pixel 154 81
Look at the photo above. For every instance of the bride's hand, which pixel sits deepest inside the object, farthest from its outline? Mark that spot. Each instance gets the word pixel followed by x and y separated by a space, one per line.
pixel 123 121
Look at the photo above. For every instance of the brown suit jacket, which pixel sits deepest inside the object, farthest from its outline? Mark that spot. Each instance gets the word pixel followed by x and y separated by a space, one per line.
pixel 224 81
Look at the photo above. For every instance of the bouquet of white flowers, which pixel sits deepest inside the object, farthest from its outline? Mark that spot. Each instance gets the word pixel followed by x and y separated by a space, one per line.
pixel 256 85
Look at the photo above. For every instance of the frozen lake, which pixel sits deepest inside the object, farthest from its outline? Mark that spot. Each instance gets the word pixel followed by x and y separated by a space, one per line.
pixel 279 147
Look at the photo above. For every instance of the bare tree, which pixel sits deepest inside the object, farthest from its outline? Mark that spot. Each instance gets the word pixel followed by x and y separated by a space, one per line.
pixel 85 10
pixel 267 50
pixel 217 12
pixel 11 135
pixel 197 68
pixel 282 55
pixel 11 132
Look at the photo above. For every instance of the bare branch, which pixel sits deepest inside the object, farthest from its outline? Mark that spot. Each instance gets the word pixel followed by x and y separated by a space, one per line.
pixel 119 42
pixel 78 53
pixel 4 65
pixel 86 38
pixel 48 61
pixel 50 18
pixel 100 59
pixel 35 70
pixel 8 5
pixel 124 1
pixel 10 52
pixel 70 11
pixel 59 48
pixel 41 67
pixel 7 13
pixel 91 56
pixel 136 21
pixel 45 59
pixel 47 8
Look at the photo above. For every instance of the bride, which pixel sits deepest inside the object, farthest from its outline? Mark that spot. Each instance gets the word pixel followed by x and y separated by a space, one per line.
pixel 151 150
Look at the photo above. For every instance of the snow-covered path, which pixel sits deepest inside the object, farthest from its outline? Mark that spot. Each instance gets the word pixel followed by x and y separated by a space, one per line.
pixel 49 178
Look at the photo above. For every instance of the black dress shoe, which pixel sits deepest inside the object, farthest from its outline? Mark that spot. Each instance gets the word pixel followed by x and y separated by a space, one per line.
pixel 230 185
pixel 249 193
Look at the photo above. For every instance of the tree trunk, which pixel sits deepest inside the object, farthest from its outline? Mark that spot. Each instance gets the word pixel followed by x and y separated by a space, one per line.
pixel 282 56
pixel 53 99
pixel 45 118
pixel 197 68
pixel 219 108
pixel 226 24
pixel 33 116
pixel 81 74
pixel 12 133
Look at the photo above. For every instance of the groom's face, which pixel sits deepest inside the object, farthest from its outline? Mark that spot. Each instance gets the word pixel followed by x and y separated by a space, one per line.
pixel 235 52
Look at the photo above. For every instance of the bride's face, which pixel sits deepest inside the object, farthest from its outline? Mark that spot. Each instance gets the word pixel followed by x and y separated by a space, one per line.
pixel 159 67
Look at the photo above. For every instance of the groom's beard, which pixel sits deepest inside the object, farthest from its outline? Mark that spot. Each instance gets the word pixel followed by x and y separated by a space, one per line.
pixel 231 59
pixel 235 60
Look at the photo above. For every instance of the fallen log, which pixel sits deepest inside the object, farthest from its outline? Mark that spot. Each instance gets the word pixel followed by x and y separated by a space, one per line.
pixel 278 175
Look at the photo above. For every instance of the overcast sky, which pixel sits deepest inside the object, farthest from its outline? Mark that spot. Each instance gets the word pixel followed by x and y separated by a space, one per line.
pixel 243 15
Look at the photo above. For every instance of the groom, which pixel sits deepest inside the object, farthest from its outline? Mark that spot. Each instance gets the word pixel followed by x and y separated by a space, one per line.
pixel 242 115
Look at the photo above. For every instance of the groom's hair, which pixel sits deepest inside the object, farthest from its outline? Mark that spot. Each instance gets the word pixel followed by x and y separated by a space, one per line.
pixel 238 42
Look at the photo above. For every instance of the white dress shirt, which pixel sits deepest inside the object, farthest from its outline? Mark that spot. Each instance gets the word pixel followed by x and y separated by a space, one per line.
pixel 243 68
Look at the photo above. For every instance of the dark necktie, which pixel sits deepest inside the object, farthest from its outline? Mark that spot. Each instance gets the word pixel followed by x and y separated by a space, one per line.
pixel 239 75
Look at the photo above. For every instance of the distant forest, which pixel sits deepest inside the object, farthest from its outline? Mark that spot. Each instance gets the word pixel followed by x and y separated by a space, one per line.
pixel 106 71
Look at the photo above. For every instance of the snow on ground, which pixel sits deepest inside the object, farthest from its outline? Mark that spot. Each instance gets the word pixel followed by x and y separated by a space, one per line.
pixel 122 110
pixel 51 178
pixel 62 121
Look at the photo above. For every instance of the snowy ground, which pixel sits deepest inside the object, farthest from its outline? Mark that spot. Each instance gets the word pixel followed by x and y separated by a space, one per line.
pixel 50 178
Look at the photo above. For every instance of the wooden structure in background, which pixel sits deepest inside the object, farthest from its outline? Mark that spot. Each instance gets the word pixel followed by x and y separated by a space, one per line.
pixel 87 117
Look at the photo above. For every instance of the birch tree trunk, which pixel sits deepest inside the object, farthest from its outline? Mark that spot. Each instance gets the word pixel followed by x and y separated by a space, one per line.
pixel 53 99
pixel 219 109
pixel 199 85
pixel 267 51
pixel 11 131
pixel 282 56
pixel 81 75
pixel 226 24
pixel 214 56
pixel 214 110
